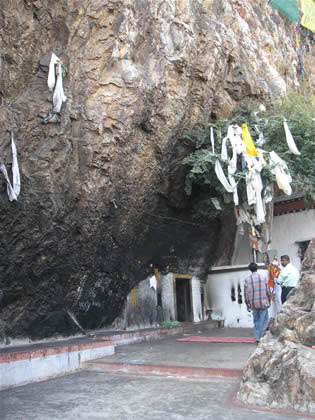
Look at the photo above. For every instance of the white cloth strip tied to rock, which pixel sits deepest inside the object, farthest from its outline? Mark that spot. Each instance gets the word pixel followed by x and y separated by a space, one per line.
pixel 59 96
pixel 212 138
pixel 254 184
pixel 55 67
pixel 281 172
pixel 52 71
pixel 11 194
pixel 222 178
pixel 290 139
pixel 13 190
pixel 15 168
pixel 234 136
pixel 234 185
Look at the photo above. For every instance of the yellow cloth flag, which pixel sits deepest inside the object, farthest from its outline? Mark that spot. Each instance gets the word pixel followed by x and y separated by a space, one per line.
pixel 156 273
pixel 308 18
pixel 133 294
pixel 250 147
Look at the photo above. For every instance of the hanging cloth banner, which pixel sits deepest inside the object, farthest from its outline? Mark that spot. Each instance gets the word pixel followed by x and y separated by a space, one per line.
pixel 212 138
pixel 288 8
pixel 222 178
pixel 308 18
pixel 10 191
pixel 15 168
pixel 156 274
pixel 58 97
pixel 133 297
pixel 250 147
pixel 281 171
pixel 14 188
pixel 290 139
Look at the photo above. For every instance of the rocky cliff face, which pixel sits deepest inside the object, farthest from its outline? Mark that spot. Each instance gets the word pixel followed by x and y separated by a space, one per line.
pixel 281 372
pixel 102 198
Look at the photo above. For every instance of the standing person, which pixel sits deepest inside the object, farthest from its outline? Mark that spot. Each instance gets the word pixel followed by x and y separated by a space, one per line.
pixel 288 278
pixel 274 271
pixel 257 298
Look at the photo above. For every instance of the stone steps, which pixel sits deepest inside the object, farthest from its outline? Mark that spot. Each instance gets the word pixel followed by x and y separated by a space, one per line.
pixel 20 365
pixel 163 370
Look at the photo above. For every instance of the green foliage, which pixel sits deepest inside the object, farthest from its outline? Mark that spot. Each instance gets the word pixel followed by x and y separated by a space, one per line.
pixel 202 182
pixel 298 112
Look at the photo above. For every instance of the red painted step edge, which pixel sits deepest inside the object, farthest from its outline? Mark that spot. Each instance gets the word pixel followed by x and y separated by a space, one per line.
pixel 51 351
pixel 132 368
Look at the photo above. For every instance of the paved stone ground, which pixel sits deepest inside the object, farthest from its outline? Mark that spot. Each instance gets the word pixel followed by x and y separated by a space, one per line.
pixel 89 395
pixel 170 352
pixel 98 395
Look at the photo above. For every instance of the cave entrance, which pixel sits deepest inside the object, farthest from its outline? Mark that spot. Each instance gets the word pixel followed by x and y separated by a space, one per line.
pixel 183 300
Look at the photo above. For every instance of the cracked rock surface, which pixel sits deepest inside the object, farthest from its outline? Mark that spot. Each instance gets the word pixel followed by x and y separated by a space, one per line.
pixel 102 194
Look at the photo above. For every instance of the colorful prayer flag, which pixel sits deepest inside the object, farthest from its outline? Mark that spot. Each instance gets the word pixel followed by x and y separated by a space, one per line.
pixel 288 8
pixel 250 146
pixel 253 240
pixel 308 18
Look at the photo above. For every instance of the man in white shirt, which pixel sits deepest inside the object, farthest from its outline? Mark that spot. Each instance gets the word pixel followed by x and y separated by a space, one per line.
pixel 288 278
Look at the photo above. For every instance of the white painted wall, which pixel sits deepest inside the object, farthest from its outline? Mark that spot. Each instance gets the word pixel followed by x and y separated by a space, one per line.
pixel 218 287
pixel 34 369
pixel 288 229
pixel 196 299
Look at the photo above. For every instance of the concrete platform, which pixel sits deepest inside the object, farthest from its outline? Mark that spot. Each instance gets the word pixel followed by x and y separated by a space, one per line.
pixel 172 358
pixel 27 363
pixel 33 364
pixel 183 389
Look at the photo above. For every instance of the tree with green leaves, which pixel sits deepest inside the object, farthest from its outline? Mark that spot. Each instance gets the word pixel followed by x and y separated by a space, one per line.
pixel 202 183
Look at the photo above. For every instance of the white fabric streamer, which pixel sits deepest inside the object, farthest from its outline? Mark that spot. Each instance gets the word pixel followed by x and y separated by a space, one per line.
pixel 260 211
pixel 59 96
pixel 238 147
pixel 281 172
pixel 290 139
pixel 15 169
pixel 12 190
pixel 212 138
pixel 52 74
pixel 222 178
pixel 235 136
pixel 224 155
